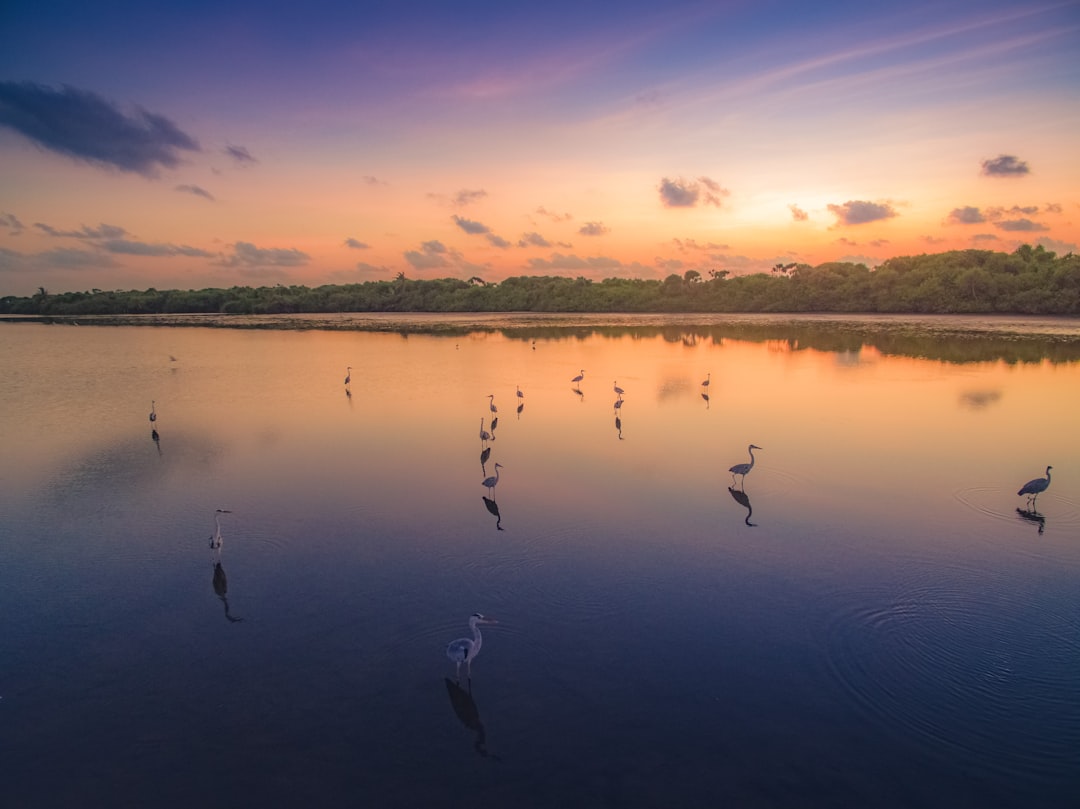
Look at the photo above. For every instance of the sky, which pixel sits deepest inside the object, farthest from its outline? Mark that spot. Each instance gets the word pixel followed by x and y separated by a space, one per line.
pixel 204 144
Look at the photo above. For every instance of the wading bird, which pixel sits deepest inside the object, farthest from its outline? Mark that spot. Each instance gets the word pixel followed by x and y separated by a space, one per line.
pixel 153 412
pixel 348 375
pixel 618 391
pixel 215 540
pixel 1033 488
pixel 744 468
pixel 708 379
pixel 463 650
pixel 577 379
pixel 493 481
pixel 484 434
pixel 520 395
pixel 491 404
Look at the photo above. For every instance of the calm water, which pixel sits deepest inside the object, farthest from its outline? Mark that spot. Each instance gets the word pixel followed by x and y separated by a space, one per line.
pixel 868 621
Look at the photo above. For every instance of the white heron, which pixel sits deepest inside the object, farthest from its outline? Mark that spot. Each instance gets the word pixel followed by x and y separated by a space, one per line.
pixel 153 412
pixel 1033 488
pixel 493 481
pixel 744 468
pixel 577 379
pixel 484 434
pixel 463 650
pixel 348 375
pixel 491 404
pixel 708 379
pixel 215 540
pixel 619 391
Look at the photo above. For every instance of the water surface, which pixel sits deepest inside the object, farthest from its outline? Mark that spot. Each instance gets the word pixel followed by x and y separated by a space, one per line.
pixel 872 618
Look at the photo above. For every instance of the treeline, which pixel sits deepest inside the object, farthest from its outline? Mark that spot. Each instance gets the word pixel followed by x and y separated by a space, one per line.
pixel 1031 280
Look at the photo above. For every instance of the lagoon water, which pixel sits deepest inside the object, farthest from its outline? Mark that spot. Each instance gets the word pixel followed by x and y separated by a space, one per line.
pixel 872 618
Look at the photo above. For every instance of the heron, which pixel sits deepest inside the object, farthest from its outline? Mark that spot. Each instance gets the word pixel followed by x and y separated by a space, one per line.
pixel 491 404
pixel 708 379
pixel 520 395
pixel 484 434
pixel 744 468
pixel 493 481
pixel 1033 488
pixel 618 391
pixel 577 379
pixel 348 375
pixel 153 412
pixel 215 540
pixel 463 650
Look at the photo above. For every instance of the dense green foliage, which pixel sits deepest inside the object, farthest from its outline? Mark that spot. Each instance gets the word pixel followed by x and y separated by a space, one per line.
pixel 1028 281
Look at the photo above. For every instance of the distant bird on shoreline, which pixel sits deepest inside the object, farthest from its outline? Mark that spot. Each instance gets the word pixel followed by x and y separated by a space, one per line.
pixel 1033 488
pixel 744 468
pixel 577 379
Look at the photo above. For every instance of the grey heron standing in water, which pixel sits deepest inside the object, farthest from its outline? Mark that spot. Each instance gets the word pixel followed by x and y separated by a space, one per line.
pixel 463 650
pixel 153 412
pixel 493 481
pixel 216 539
pixel 1033 488
pixel 577 379
pixel 491 404
pixel 348 375
pixel 744 468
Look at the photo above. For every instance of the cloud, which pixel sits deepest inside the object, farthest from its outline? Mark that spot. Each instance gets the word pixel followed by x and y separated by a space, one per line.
pixel 240 155
pixel 678 193
pixel 880 243
pixel 1024 225
pixel 196 190
pixel 533 240
pixel 497 241
pixel 466 197
pixel 63 258
pixel 132 248
pixel 469 226
pixel 12 223
pixel 682 193
pixel 431 255
pixel 798 214
pixel 1005 165
pixel 102 231
pixel 371 180
pixel 86 127
pixel 684 245
pixel 245 254
pixel 554 217
pixel 967 215
pixel 356 244
pixel 593 229
pixel 984 237
pixel 859 212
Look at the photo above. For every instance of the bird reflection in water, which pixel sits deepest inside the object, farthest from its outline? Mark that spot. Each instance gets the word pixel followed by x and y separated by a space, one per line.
pixel 221 581
pixel 618 426
pixel 466 711
pixel 1031 515
pixel 493 508
pixel 743 500
pixel 156 439
pixel 705 396
pixel 485 453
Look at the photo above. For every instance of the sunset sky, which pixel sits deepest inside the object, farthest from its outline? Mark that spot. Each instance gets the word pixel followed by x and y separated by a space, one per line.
pixel 185 145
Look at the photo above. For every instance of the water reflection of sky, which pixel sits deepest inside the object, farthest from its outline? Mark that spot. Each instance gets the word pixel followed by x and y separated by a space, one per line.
pixel 359 542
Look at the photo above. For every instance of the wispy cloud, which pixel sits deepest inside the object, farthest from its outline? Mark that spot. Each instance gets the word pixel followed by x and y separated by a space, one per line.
pixel 240 155
pixel 593 229
pixel 356 244
pixel 12 223
pixel 967 215
pixel 1020 225
pixel 245 254
pixel 84 126
pixel 469 226
pixel 1005 165
pixel 798 214
pixel 133 248
pixel 681 193
pixel 102 231
pixel 196 190
pixel 859 212
pixel 554 217
pixel 533 240
pixel 62 258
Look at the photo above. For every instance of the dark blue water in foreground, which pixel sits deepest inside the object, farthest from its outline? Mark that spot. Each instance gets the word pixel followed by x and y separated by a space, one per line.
pixel 866 620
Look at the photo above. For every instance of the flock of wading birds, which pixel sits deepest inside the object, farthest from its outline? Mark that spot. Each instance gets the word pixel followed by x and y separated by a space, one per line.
pixel 463 650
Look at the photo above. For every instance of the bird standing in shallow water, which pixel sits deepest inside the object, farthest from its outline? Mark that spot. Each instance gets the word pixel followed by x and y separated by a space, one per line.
pixel 744 468
pixel 1033 488
pixel 708 379
pixel 463 650
pixel 491 404
pixel 153 413
pixel 493 481
pixel 618 391
pixel 577 379
pixel 348 375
